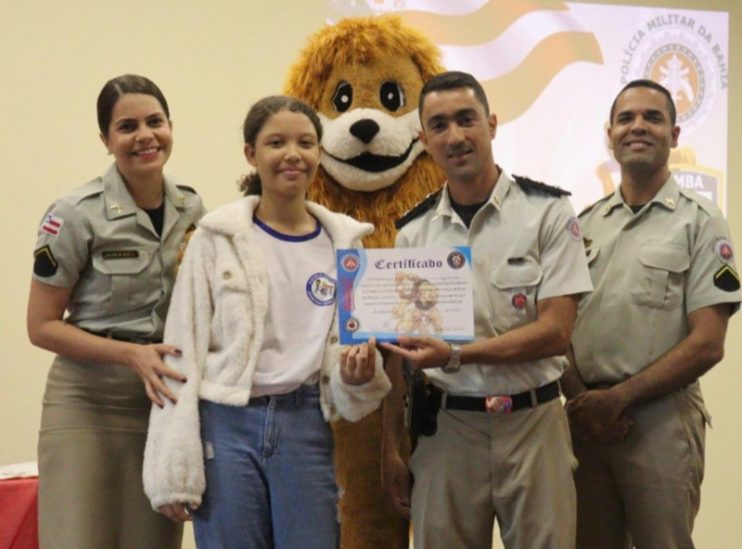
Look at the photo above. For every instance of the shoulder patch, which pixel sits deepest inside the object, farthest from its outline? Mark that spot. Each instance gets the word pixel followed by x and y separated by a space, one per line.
pixel 186 188
pixel 531 185
pixel 44 265
pixel 52 224
pixel 419 209
pixel 726 279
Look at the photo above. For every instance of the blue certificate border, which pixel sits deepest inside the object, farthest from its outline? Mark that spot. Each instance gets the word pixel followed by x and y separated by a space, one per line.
pixel 351 266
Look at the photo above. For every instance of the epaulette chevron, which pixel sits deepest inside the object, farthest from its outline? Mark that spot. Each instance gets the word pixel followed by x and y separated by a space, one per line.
pixel 419 209
pixel 530 184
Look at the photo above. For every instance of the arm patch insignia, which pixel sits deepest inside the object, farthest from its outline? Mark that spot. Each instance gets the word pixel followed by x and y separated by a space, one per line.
pixel 726 279
pixel 44 265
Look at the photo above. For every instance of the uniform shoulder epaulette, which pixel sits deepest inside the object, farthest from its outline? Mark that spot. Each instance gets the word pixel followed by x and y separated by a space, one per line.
pixel 186 188
pixel 594 204
pixel 530 185
pixel 419 209
pixel 91 188
pixel 704 203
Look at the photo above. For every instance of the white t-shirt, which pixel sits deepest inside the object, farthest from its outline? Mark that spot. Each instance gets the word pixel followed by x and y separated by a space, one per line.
pixel 301 306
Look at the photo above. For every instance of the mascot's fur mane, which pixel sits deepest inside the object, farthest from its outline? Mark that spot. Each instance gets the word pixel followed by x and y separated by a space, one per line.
pixel 355 42
pixel 359 41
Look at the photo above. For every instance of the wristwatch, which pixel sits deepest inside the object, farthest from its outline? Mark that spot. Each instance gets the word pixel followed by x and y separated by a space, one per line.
pixel 454 360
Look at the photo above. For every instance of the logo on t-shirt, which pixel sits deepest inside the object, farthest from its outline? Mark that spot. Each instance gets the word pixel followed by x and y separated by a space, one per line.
pixel 321 289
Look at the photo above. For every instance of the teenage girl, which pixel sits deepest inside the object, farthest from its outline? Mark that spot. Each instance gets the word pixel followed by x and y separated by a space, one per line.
pixel 247 449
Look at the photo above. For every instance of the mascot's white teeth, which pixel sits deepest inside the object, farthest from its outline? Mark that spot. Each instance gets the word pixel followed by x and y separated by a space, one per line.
pixel 367 149
pixel 376 163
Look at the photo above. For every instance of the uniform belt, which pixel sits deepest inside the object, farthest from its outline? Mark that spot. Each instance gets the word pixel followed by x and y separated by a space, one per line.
pixel 141 339
pixel 503 403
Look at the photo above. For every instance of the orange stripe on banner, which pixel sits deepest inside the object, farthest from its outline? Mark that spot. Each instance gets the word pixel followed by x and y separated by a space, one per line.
pixel 483 25
pixel 512 94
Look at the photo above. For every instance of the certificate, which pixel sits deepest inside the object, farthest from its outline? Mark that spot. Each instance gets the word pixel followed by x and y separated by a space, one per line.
pixel 387 292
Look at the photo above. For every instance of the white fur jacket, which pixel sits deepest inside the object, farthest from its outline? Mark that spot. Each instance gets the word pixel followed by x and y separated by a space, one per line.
pixel 216 319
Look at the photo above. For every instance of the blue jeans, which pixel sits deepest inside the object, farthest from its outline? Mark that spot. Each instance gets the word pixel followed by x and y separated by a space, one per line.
pixel 270 478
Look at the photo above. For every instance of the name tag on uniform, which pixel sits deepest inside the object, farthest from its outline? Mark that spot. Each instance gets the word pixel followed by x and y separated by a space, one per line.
pixel 120 254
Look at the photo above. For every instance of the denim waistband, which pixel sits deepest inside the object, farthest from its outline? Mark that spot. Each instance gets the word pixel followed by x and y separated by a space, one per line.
pixel 297 396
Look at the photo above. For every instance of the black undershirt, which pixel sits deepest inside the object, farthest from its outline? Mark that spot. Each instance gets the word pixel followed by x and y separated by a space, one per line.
pixel 466 211
pixel 637 209
pixel 157 216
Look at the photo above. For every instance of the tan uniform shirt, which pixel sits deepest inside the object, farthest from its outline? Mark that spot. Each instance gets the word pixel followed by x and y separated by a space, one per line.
pixel 97 241
pixel 526 246
pixel 649 269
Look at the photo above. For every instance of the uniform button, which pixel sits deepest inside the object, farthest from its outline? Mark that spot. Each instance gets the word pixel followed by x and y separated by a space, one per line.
pixel 333 339
pixel 226 275
pixel 325 379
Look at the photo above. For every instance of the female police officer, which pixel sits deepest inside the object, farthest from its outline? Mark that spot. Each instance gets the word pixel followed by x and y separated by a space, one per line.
pixel 106 253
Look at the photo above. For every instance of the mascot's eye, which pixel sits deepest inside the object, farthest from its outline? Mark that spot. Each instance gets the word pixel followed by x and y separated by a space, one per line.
pixel 391 95
pixel 343 97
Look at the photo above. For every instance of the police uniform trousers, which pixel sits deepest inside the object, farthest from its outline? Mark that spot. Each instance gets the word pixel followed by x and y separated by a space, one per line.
pixel 515 468
pixel 91 445
pixel 646 489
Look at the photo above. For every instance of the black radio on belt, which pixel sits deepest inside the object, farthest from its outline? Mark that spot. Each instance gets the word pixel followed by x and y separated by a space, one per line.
pixel 422 404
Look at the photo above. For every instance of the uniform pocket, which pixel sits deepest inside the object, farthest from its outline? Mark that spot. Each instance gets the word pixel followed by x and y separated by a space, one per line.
pixel 124 269
pixel 661 276
pixel 514 288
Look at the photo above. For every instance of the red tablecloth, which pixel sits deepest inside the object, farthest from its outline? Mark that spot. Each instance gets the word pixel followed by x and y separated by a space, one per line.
pixel 19 513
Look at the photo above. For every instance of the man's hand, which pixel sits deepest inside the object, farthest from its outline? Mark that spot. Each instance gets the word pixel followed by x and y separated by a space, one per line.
pixel 599 416
pixel 395 477
pixel 421 352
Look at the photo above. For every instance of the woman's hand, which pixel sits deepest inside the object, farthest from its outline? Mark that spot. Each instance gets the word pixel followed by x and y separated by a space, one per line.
pixel 178 512
pixel 146 361
pixel 358 363
pixel 47 329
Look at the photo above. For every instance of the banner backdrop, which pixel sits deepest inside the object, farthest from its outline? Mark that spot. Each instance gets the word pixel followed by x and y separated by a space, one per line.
pixel 552 69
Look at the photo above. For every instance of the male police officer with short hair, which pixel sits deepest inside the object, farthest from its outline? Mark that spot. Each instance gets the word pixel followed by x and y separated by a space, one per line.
pixel 501 449
pixel 665 285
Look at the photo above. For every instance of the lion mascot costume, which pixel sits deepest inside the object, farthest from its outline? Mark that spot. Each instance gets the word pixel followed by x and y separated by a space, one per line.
pixel 364 76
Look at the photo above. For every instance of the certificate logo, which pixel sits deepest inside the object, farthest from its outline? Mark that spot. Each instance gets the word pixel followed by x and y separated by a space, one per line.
pixel 456 260
pixel 352 325
pixel 350 263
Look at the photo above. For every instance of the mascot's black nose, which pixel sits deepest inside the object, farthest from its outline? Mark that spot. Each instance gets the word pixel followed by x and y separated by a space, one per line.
pixel 365 130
